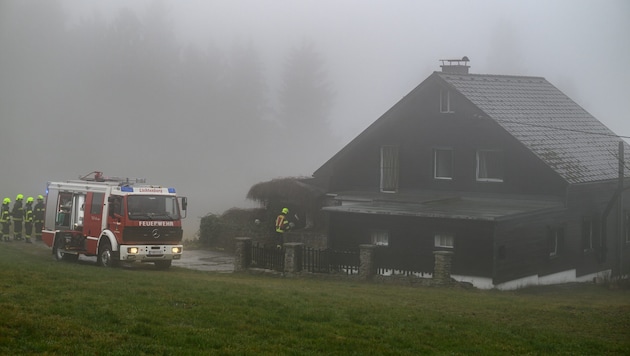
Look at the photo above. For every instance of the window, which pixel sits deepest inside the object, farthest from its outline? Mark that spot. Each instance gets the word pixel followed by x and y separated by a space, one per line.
pixel 445 101
pixel 380 238
pixel 444 240
pixel 97 204
pixel 389 169
pixel 555 240
pixel 489 166
pixel 443 164
pixel 589 234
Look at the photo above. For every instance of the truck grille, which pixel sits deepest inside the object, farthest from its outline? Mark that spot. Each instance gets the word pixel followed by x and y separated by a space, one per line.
pixel 152 234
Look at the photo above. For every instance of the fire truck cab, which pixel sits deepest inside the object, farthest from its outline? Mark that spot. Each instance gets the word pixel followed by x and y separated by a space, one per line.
pixel 113 219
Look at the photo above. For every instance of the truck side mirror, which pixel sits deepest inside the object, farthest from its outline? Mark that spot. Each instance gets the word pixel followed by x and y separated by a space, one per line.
pixel 184 203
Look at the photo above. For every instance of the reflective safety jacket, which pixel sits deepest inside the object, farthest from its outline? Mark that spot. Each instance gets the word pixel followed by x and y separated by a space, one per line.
pixel 4 214
pixel 28 213
pixel 38 212
pixel 18 211
pixel 282 224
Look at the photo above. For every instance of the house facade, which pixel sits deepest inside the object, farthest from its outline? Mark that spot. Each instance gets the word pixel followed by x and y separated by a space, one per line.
pixel 517 180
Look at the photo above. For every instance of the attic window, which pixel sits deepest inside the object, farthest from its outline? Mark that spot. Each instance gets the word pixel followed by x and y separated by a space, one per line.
pixel 489 166
pixel 389 169
pixel 445 101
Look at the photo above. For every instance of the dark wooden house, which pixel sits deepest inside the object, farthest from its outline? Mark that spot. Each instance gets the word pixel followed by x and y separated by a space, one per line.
pixel 507 172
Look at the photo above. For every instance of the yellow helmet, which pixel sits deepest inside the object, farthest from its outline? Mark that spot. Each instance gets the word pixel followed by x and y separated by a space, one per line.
pixel 285 211
pixel 19 197
pixel 6 201
pixel 29 199
pixel 40 197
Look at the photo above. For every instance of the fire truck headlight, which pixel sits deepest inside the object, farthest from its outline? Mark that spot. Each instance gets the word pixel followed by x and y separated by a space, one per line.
pixel 132 250
pixel 176 250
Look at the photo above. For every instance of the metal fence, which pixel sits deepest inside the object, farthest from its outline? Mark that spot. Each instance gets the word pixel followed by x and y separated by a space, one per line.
pixel 267 257
pixel 389 262
pixel 330 261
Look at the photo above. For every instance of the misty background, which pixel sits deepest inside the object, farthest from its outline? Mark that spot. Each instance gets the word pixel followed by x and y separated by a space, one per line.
pixel 212 97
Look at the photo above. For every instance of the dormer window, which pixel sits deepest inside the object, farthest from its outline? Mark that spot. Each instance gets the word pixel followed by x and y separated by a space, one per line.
pixel 445 101
pixel 489 166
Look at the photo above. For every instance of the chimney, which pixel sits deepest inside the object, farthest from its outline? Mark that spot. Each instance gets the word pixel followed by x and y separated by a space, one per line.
pixel 455 66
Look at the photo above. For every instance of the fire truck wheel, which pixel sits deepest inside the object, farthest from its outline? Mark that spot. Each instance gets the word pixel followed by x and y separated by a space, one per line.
pixel 61 256
pixel 163 264
pixel 106 256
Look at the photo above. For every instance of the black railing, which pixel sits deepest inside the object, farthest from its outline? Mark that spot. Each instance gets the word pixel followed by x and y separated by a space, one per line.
pixel 389 262
pixel 267 257
pixel 330 261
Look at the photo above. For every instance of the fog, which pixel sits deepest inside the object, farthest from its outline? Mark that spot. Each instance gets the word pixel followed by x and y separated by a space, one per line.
pixel 211 97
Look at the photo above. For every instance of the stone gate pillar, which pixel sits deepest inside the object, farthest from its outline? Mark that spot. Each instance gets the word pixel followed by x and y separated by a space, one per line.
pixel 243 254
pixel 367 268
pixel 293 257
pixel 442 267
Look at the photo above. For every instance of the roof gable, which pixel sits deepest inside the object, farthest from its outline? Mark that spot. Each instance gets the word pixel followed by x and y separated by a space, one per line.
pixel 556 129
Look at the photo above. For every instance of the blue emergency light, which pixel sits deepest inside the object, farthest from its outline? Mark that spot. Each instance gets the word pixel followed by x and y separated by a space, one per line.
pixel 126 188
pixel 171 190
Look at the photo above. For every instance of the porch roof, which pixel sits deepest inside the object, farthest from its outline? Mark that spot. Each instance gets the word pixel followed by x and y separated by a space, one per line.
pixel 448 205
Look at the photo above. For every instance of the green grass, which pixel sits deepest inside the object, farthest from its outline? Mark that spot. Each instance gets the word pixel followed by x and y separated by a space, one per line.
pixel 49 307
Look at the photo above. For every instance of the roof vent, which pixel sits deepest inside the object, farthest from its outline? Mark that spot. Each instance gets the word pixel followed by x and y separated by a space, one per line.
pixel 455 66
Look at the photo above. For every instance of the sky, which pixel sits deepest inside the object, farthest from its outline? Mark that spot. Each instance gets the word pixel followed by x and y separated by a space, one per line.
pixel 378 51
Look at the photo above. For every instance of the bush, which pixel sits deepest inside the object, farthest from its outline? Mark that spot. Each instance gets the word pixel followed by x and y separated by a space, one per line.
pixel 219 231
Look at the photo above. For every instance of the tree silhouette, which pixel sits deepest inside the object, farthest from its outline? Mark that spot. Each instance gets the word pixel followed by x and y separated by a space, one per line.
pixel 305 103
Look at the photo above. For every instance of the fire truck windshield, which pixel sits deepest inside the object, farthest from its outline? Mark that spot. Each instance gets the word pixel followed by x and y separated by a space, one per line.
pixel 152 207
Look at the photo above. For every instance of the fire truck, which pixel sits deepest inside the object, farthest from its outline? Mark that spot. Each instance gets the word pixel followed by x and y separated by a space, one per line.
pixel 115 219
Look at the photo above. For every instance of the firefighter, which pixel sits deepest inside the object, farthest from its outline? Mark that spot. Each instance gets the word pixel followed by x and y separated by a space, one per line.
pixel 28 220
pixel 282 225
pixel 5 219
pixel 38 217
pixel 18 217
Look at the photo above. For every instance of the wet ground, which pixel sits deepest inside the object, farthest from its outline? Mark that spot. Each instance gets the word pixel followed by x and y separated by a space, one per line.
pixel 204 260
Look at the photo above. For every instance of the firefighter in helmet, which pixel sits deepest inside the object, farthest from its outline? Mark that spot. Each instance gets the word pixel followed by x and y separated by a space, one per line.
pixel 282 225
pixel 28 219
pixel 18 217
pixel 5 219
pixel 38 217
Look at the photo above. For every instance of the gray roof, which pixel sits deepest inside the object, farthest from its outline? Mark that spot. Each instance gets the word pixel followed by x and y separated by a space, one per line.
pixel 551 125
pixel 450 205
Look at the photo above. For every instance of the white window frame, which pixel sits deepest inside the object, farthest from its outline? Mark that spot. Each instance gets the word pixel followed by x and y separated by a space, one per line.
pixel 482 165
pixel 444 240
pixel 587 228
pixel 555 239
pixel 389 169
pixel 445 101
pixel 436 164
pixel 379 237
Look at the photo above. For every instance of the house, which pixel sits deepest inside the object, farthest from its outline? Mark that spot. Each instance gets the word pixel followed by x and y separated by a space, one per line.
pixel 507 172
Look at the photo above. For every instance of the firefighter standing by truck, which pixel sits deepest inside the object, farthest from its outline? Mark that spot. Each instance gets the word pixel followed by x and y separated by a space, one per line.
pixel 28 219
pixel 5 219
pixel 18 217
pixel 38 217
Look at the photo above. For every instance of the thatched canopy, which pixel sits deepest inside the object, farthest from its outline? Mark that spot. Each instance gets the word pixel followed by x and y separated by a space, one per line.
pixel 290 190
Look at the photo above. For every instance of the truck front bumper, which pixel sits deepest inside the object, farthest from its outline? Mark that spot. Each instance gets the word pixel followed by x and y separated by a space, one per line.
pixel 149 253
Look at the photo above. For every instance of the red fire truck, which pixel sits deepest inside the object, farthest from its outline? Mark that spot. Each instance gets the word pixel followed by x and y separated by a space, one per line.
pixel 114 219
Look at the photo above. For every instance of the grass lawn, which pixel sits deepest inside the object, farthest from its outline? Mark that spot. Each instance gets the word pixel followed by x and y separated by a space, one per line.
pixel 49 307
